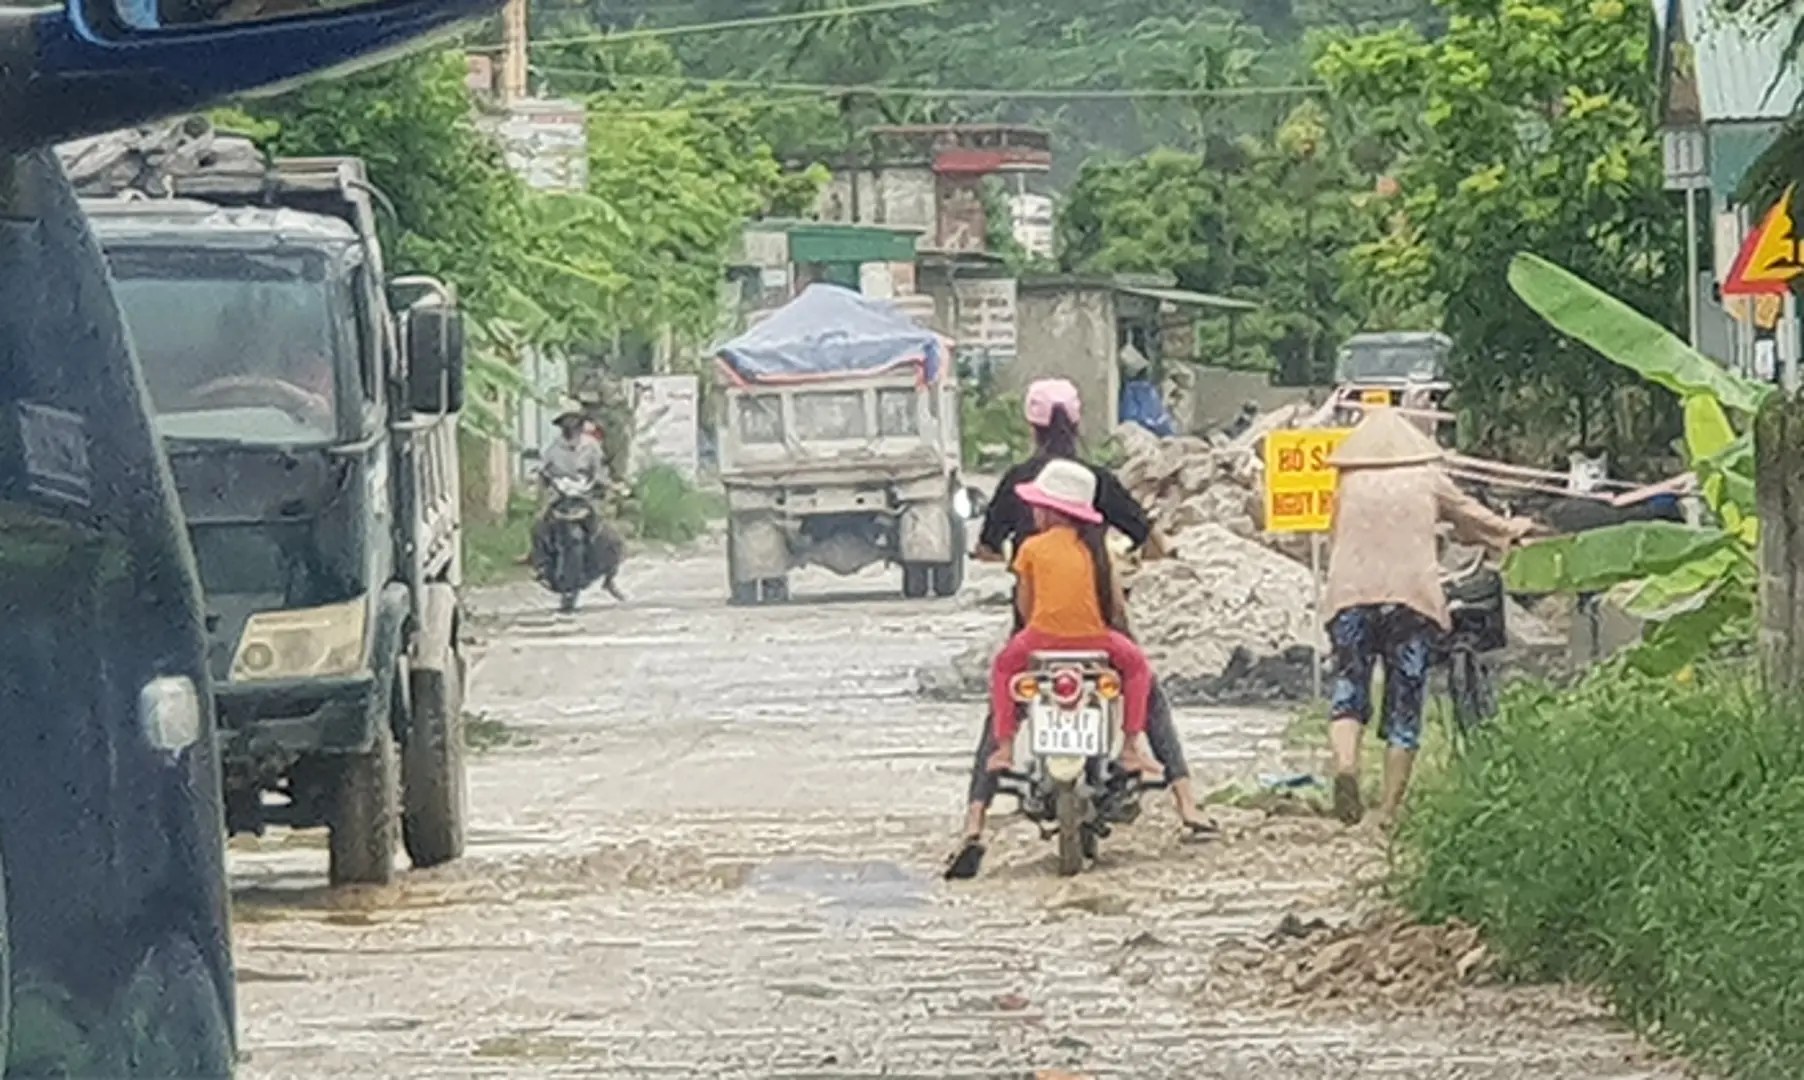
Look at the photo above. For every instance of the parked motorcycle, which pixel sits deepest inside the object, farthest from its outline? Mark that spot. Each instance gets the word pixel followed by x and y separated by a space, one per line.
pixel 1074 787
pixel 575 547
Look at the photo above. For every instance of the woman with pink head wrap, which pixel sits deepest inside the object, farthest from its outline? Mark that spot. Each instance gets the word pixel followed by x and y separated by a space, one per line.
pixel 1054 409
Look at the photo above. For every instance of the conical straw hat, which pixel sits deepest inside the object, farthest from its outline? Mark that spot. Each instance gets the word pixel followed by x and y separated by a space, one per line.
pixel 1385 438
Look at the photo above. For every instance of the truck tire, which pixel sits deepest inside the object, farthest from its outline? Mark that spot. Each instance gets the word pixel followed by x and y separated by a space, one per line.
pixel 948 578
pixel 917 579
pixel 434 789
pixel 775 590
pixel 366 815
pixel 739 593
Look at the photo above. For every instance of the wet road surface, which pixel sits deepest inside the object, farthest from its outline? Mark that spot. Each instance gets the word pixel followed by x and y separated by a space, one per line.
pixel 709 847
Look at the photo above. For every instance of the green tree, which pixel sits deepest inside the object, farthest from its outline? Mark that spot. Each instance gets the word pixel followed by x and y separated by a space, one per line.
pixel 1525 127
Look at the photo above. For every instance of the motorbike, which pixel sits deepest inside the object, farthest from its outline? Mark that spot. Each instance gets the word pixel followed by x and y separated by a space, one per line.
pixel 1476 610
pixel 1074 787
pixel 574 548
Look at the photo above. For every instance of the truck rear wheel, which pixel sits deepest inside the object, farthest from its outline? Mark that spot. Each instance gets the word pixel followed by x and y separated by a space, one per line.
pixel 435 799
pixel 366 814
pixel 948 578
pixel 916 580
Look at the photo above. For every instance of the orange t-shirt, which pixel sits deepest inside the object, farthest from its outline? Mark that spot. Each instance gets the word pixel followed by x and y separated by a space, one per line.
pixel 1058 568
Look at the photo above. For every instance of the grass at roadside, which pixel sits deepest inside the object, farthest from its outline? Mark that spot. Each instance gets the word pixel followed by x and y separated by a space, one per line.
pixel 666 507
pixel 1644 836
pixel 492 549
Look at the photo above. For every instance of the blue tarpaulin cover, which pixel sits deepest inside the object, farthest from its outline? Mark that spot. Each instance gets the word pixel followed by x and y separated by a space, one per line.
pixel 827 331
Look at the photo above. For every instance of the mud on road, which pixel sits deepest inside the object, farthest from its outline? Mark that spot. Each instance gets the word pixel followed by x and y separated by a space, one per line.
pixel 709 847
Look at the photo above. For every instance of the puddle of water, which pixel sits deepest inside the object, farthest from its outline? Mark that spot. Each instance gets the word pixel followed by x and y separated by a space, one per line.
pixel 858 886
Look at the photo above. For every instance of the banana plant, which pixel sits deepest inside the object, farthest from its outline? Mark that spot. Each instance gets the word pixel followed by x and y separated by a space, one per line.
pixel 1694 586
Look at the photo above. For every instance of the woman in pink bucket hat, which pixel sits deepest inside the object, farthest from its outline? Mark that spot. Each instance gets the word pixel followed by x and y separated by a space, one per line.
pixel 1067 603
pixel 1054 409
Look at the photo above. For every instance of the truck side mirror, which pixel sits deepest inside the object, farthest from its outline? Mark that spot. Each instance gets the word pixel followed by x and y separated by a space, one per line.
pixel 435 360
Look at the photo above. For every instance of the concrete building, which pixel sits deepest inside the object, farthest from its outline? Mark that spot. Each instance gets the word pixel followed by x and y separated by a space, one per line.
pixel 1073 326
pixel 930 178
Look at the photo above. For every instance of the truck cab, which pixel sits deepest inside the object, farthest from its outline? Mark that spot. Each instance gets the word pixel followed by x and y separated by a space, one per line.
pixel 1406 369
pixel 308 407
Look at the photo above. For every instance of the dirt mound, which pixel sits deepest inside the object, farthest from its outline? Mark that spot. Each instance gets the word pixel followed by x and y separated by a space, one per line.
pixel 1387 956
pixel 1222 595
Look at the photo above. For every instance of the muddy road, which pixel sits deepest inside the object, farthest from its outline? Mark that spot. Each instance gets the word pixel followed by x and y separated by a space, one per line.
pixel 707 845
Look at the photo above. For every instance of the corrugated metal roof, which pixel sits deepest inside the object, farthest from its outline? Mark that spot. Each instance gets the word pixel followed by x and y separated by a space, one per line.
pixel 1187 298
pixel 1743 72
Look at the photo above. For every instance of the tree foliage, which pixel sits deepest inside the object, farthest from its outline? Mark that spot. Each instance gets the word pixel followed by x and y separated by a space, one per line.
pixel 1267 220
pixel 673 173
pixel 1527 126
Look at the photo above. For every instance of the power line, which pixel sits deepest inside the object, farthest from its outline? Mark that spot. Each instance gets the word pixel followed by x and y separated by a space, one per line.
pixel 997 93
pixel 877 8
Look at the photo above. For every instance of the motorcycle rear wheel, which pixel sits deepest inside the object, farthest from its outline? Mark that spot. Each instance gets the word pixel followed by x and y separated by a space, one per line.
pixel 1069 805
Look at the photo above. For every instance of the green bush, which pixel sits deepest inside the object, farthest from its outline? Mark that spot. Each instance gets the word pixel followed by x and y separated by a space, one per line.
pixel 1647 836
pixel 664 506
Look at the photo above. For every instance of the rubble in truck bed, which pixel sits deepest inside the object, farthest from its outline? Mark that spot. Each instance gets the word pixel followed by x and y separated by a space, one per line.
pixel 1229 619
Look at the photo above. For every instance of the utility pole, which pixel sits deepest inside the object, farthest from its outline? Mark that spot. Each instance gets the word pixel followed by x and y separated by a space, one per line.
pixel 513 52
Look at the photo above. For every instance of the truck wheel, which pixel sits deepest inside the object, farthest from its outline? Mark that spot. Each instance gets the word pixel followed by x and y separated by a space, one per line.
pixel 775 590
pixel 916 580
pixel 435 798
pixel 948 578
pixel 366 815
pixel 739 593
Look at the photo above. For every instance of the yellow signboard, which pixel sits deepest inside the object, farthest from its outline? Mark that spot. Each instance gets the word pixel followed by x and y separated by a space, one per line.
pixel 1299 482
pixel 1376 398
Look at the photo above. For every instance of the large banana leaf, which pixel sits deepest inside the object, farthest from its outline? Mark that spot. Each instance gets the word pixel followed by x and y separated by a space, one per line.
pixel 1688 586
pixel 1602 558
pixel 1580 309
pixel 1667 647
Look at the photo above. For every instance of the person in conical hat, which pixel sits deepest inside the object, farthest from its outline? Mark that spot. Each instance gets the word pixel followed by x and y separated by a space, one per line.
pixel 1384 599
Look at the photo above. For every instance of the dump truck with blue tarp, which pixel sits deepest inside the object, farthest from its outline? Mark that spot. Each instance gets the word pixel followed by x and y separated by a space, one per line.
pixel 839 447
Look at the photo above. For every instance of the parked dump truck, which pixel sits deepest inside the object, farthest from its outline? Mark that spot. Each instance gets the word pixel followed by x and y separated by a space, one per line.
pixel 308 405
pixel 839 447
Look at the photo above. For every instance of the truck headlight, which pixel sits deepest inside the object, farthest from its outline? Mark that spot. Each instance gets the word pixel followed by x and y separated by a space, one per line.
pixel 304 643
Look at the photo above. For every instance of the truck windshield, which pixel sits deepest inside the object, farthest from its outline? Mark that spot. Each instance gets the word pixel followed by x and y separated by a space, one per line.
pixel 1400 361
pixel 235 345
pixel 830 416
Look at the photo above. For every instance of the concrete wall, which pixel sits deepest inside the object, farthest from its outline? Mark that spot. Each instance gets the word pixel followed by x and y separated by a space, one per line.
pixel 1069 332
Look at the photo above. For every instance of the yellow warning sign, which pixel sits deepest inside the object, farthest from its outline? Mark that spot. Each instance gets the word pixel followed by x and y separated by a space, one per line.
pixel 1768 259
pixel 1299 482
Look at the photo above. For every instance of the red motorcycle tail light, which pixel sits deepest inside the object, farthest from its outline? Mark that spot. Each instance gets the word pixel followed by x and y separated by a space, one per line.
pixel 1066 686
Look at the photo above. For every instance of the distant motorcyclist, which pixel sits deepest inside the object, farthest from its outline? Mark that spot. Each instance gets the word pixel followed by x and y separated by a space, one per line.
pixel 578 455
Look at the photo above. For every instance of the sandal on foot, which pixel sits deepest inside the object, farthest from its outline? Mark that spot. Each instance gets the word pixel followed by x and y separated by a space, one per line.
pixel 967 861
pixel 1349 806
pixel 1199 832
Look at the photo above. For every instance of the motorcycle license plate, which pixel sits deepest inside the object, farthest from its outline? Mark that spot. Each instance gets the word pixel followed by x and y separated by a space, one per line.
pixel 1067 731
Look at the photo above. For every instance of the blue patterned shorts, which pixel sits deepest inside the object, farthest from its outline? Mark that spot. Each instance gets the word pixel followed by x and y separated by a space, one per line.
pixel 1400 636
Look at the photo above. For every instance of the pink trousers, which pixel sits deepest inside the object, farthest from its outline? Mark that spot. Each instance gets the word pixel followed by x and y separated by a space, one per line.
pixel 1136 675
